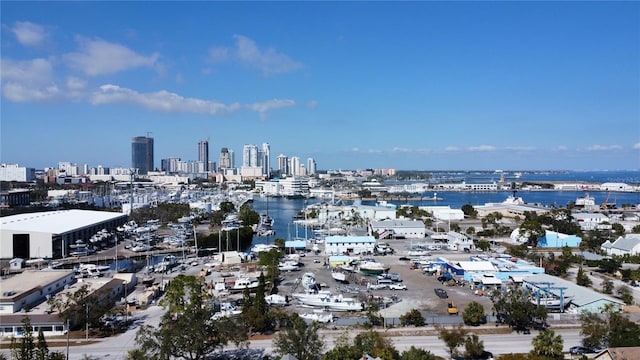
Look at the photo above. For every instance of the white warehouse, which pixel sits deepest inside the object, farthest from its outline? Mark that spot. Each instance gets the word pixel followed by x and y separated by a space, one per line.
pixel 341 245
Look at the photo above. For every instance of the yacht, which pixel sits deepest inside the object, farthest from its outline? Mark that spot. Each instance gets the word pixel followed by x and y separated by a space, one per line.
pixel 276 300
pixel 309 281
pixel 372 267
pixel 329 301
pixel 244 283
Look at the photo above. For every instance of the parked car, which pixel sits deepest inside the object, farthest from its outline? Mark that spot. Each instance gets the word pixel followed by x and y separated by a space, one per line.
pixel 579 350
pixel 398 287
pixel 441 293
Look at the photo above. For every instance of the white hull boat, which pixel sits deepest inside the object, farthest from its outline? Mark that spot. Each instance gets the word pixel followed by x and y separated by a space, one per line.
pixel 338 276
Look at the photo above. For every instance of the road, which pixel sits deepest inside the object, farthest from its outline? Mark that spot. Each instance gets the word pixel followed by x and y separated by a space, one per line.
pixel 116 348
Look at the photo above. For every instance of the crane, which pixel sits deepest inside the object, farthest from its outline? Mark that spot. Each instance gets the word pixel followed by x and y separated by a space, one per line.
pixel 606 205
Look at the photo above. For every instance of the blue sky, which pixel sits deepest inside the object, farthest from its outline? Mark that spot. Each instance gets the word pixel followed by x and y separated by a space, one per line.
pixel 405 85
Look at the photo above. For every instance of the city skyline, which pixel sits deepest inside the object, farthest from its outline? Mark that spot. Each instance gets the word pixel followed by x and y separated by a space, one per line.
pixel 353 85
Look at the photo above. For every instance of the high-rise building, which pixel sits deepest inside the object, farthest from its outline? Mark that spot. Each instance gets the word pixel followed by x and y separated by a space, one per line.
pixel 170 165
pixel 232 157
pixel 294 168
pixel 225 159
pixel 203 153
pixel 283 164
pixel 142 154
pixel 266 159
pixel 311 166
pixel 250 155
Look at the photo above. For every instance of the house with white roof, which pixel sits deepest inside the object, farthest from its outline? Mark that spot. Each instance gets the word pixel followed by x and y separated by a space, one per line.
pixel 590 221
pixel 340 245
pixel 398 228
pixel 624 245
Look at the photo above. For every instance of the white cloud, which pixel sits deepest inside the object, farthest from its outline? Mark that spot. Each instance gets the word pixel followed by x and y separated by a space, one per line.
pixel 312 104
pixel 161 101
pixel 451 148
pixel 74 83
pixel 520 148
pixel 268 60
pixel 482 148
pixel 263 107
pixel 636 146
pixel 604 147
pixel 401 149
pixel 355 149
pixel 99 57
pixel 29 34
pixel 164 101
pixel 26 81
pixel 561 148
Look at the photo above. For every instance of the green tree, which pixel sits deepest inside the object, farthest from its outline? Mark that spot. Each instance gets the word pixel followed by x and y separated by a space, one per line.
pixel 452 338
pixel 473 347
pixel 474 314
pixel 415 353
pixel 247 215
pixel 532 231
pixel 412 318
pixel 582 279
pixel 255 312
pixel 186 329
pixel 25 348
pixel 515 308
pixel 373 343
pixel 594 329
pixel 301 340
pixel 625 294
pixel 469 210
pixel 483 245
pixel 607 286
pixel 42 349
pixel 548 345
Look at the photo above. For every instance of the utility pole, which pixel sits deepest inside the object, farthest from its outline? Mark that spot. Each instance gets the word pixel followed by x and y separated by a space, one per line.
pixel 86 322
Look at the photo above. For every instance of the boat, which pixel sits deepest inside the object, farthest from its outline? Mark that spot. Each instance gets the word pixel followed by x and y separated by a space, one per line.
pixel 372 267
pixel 551 301
pixel 258 248
pixel 168 262
pixel 319 316
pixel 329 301
pixel 226 310
pixel 308 281
pixel 339 277
pixel 288 266
pixel 244 283
pixel 276 300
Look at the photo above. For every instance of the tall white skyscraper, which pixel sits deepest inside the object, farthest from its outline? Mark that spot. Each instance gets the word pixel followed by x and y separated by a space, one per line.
pixel 250 155
pixel 311 166
pixel 295 166
pixel 283 164
pixel 266 159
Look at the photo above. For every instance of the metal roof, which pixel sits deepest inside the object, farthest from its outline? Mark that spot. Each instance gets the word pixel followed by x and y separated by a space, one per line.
pixel 581 295
pixel 626 243
pixel 56 222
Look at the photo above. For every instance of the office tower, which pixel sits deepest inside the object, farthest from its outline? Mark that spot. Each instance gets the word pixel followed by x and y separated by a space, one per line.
pixel 283 164
pixel 311 166
pixel 250 155
pixel 203 153
pixel 294 168
pixel 266 159
pixel 232 157
pixel 225 159
pixel 142 154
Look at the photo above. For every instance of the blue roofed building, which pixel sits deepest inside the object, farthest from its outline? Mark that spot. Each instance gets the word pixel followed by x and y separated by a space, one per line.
pixel 552 239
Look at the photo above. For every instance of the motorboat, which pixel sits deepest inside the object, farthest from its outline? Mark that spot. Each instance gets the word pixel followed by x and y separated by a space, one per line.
pixel 276 300
pixel 226 310
pixel 372 267
pixel 288 266
pixel 244 283
pixel 329 301
pixel 339 276
pixel 308 281
pixel 317 315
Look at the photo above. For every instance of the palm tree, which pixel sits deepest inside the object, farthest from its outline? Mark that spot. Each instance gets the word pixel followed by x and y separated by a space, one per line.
pixel 473 347
pixel 547 345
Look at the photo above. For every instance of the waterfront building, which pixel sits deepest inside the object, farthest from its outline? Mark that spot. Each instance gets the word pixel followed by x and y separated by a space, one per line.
pixel 590 221
pixel 444 213
pixel 52 234
pixel 558 240
pixel 266 159
pixel 203 153
pixel 398 228
pixel 294 186
pixel 142 154
pixel 339 245
pixel 294 166
pixel 14 172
